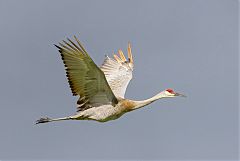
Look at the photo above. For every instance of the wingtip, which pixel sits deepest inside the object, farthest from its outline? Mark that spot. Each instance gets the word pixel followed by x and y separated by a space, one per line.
pixel 117 58
pixel 130 57
pixel 121 58
pixel 57 46
pixel 120 52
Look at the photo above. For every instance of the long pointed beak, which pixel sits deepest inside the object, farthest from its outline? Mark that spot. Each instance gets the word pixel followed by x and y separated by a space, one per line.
pixel 179 94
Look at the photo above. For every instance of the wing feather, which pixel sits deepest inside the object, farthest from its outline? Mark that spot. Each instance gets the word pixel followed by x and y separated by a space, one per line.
pixel 118 72
pixel 84 77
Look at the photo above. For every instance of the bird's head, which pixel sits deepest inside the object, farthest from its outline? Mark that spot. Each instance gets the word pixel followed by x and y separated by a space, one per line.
pixel 170 93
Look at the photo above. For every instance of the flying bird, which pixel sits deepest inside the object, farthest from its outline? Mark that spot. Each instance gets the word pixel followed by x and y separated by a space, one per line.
pixel 101 90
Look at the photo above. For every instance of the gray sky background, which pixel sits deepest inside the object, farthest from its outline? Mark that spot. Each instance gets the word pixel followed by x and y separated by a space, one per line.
pixel 188 45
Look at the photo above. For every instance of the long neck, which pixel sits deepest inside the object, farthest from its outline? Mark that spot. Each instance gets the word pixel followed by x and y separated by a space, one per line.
pixel 143 103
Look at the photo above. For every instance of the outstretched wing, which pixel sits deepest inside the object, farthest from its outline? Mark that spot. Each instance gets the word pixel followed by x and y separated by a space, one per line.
pixel 118 72
pixel 84 77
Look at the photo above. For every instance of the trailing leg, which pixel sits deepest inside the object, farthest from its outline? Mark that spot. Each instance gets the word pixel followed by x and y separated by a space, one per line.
pixel 46 119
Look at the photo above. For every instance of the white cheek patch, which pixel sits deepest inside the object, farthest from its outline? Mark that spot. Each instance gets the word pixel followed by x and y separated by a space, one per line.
pixel 168 93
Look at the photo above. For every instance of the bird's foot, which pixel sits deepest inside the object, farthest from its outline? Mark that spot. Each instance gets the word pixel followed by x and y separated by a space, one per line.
pixel 43 120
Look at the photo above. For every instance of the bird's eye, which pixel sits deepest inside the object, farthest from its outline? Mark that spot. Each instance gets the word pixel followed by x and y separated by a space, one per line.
pixel 170 91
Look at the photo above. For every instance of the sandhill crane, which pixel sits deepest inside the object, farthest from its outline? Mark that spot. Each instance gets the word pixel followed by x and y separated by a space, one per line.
pixel 101 90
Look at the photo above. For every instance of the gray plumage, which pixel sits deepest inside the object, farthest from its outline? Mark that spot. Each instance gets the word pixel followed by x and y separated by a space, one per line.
pixel 101 90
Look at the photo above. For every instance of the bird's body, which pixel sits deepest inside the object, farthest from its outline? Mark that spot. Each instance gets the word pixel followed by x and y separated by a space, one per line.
pixel 105 113
pixel 101 89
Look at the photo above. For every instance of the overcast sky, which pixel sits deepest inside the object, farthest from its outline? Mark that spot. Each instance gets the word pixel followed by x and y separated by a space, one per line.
pixel 188 45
